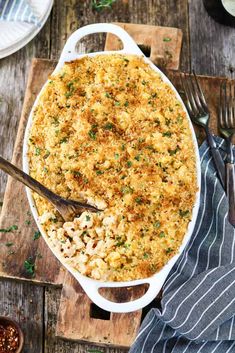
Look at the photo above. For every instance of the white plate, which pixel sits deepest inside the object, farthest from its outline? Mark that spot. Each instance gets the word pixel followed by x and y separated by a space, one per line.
pixel 91 286
pixel 15 35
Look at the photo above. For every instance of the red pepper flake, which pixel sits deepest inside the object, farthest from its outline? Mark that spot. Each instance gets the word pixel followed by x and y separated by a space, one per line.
pixel 9 338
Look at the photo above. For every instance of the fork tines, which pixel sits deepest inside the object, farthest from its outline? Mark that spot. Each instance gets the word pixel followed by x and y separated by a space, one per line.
pixel 227 105
pixel 196 102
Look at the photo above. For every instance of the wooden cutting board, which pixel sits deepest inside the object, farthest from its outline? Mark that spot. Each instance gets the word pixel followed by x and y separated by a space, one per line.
pixel 78 318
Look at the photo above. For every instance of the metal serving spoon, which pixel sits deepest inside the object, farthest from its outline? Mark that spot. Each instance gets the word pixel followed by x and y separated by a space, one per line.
pixel 68 209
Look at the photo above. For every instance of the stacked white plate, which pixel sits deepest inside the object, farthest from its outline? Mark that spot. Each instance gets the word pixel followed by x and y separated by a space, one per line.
pixel 15 35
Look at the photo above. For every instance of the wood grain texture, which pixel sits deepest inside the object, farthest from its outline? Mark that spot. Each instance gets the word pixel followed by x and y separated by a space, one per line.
pixel 76 321
pixel 212 44
pixel 164 43
pixel 24 303
pixel 15 210
pixel 67 18
pixel 55 344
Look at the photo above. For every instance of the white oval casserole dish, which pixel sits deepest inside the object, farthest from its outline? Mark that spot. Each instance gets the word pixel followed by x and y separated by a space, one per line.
pixel 91 286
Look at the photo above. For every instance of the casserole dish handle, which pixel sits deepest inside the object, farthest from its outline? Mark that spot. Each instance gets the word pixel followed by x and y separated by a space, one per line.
pixel 70 49
pixel 92 287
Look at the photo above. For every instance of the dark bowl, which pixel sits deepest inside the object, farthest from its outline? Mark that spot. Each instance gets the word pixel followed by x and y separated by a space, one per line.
pixel 4 320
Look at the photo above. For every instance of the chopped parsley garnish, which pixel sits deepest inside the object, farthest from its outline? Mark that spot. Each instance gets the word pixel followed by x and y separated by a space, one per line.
pixel 129 164
pixel 157 224
pixel 29 266
pixel 88 218
pixel 162 235
pixel 127 190
pixel 146 255
pixel 166 39
pixel 64 140
pixel 126 104
pixel 37 151
pixel 138 200
pixel 137 157
pixel 144 82
pixel 107 95
pixel 99 5
pixel 117 104
pixel 77 173
pixel 169 250
pixel 27 222
pixel 179 119
pixel 108 126
pixel 71 88
pixel 116 155
pixel 172 152
pixel 119 243
pixel 36 235
pixel 92 134
pixel 167 133
pixel 99 172
pixel 9 229
pixel 183 213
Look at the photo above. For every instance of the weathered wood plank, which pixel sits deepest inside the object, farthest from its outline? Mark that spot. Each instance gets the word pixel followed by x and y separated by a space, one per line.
pixel 24 303
pixel 212 44
pixel 54 344
pixel 66 19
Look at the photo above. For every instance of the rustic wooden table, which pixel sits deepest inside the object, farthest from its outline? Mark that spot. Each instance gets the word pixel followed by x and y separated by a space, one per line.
pixel 207 47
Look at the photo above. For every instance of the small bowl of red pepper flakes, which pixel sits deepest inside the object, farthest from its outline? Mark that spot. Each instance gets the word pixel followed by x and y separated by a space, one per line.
pixel 11 336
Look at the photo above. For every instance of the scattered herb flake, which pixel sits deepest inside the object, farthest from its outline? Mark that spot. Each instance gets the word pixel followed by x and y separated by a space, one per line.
pixel 138 200
pixel 92 134
pixel 157 224
pixel 166 39
pixel 183 213
pixel 127 190
pixel 36 235
pixel 88 218
pixel 29 266
pixel 167 133
pixel 129 164
pixel 169 250
pixel 37 151
pixel 99 172
pixel 108 126
pixel 100 5
pixel 9 229
pixel 126 104
pixel 162 235
pixel 146 255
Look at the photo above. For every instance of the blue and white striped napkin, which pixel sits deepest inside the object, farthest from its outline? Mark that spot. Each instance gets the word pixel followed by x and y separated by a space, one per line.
pixel 17 10
pixel 198 303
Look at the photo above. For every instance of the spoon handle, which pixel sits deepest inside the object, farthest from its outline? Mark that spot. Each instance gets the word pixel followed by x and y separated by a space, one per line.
pixel 27 180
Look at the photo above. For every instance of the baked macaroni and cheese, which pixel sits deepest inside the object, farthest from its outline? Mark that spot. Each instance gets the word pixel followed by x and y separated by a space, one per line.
pixel 108 129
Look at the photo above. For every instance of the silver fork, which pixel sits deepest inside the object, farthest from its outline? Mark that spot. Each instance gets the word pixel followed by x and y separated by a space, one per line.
pixel 226 120
pixel 200 115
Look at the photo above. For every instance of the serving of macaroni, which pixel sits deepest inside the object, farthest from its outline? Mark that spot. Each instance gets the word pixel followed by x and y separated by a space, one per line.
pixel 107 129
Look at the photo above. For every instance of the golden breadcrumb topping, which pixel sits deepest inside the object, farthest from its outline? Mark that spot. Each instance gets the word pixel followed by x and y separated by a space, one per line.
pixel 108 129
